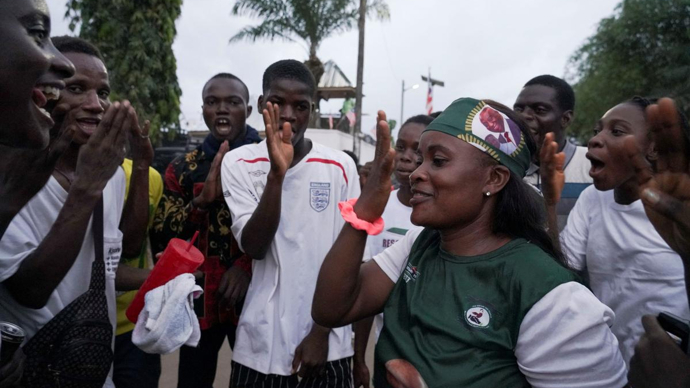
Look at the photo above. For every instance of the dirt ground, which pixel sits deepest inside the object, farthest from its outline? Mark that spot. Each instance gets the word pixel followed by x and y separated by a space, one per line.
pixel 169 373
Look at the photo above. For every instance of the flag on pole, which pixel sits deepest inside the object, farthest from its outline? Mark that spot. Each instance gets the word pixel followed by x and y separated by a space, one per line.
pixel 430 95
pixel 351 117
pixel 348 110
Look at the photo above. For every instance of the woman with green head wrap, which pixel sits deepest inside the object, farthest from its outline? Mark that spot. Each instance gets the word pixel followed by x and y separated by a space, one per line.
pixel 480 297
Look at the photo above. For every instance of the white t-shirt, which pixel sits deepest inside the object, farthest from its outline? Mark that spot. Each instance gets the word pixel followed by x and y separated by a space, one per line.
pixel 579 351
pixel 631 269
pixel 276 316
pixel 396 218
pixel 30 227
pixel 576 170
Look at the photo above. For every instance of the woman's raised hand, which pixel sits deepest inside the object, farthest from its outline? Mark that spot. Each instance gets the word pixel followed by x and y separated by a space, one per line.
pixel 377 188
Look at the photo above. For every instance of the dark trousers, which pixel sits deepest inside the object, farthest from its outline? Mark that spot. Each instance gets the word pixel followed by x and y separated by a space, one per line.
pixel 198 365
pixel 337 374
pixel 132 367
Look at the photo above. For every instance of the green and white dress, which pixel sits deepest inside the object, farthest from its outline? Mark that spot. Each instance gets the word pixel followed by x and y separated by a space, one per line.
pixel 509 318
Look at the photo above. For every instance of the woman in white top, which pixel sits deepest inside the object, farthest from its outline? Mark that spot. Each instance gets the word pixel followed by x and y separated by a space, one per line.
pixel 630 266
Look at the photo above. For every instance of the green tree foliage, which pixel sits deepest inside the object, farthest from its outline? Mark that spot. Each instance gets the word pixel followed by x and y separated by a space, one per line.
pixel 135 37
pixel 310 21
pixel 643 49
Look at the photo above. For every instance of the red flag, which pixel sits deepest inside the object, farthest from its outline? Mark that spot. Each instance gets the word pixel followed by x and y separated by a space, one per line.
pixel 430 96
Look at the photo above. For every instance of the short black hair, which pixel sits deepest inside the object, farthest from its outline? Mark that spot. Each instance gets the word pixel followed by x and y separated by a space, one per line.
pixel 228 76
pixel 289 69
pixel 353 156
pixel 642 102
pixel 564 92
pixel 73 44
pixel 424 120
pixel 436 114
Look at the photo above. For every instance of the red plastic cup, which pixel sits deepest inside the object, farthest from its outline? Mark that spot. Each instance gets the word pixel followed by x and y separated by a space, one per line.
pixel 179 257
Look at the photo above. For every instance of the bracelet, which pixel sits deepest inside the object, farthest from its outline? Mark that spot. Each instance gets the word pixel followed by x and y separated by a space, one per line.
pixel 348 213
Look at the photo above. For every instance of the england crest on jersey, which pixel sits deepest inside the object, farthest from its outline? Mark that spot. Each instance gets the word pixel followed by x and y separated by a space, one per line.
pixel 319 195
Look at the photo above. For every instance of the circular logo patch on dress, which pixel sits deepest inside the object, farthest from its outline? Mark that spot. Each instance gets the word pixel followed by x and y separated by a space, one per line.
pixel 478 316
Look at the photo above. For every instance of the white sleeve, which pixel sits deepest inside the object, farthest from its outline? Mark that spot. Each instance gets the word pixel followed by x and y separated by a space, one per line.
pixel 239 194
pixel 352 190
pixel 565 341
pixel 574 236
pixel 393 259
pixel 18 242
pixel 119 182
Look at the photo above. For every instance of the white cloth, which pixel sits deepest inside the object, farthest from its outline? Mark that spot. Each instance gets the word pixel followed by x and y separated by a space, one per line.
pixel 168 320
pixel 27 231
pixel 277 310
pixel 631 269
pixel 397 223
pixel 564 340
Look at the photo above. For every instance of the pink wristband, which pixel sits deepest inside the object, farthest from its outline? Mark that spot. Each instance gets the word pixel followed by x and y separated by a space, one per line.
pixel 348 213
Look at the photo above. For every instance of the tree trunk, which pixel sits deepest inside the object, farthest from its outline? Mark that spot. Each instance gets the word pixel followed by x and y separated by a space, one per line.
pixel 317 69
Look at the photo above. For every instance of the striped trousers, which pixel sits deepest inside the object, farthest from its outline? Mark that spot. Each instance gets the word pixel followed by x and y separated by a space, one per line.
pixel 337 374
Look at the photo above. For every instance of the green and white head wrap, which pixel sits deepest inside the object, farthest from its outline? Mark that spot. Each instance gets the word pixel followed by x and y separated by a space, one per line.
pixel 492 132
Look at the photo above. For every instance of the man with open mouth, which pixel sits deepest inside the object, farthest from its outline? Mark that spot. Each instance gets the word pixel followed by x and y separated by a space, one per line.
pixel 193 201
pixel 49 244
pixel 31 73
pixel 547 104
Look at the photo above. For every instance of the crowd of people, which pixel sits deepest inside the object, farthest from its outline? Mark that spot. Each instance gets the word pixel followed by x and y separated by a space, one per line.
pixel 485 247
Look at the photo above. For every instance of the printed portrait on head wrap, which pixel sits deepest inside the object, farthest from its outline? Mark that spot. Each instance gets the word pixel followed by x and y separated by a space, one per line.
pixel 506 140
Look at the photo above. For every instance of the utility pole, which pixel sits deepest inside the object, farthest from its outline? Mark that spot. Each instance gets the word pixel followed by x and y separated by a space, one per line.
pixel 429 97
pixel 402 100
pixel 360 79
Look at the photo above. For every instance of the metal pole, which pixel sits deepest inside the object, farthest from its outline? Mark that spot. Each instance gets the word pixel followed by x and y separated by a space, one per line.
pixel 360 78
pixel 402 103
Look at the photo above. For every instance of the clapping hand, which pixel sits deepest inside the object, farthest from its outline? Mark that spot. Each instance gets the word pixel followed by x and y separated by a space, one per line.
pixel 377 188
pixel 103 154
pixel 551 166
pixel 213 188
pixel 140 144
pixel 279 140
pixel 665 185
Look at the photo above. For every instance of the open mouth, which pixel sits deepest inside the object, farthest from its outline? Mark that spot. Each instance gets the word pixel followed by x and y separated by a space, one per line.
pixel 88 124
pixel 223 126
pixel 42 95
pixel 597 165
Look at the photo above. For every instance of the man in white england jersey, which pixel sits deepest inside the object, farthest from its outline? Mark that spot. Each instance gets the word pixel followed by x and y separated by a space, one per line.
pixel 283 195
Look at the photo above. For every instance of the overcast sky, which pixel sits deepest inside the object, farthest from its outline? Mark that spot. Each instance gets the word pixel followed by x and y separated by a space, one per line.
pixel 483 49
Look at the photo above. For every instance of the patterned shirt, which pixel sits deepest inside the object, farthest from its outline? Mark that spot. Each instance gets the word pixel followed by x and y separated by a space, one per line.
pixel 177 218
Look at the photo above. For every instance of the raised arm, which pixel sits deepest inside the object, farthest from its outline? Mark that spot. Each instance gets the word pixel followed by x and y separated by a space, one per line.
pixel 179 213
pixel 552 164
pixel 135 215
pixel 48 264
pixel 261 228
pixel 665 187
pixel 347 290
pixel 665 193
